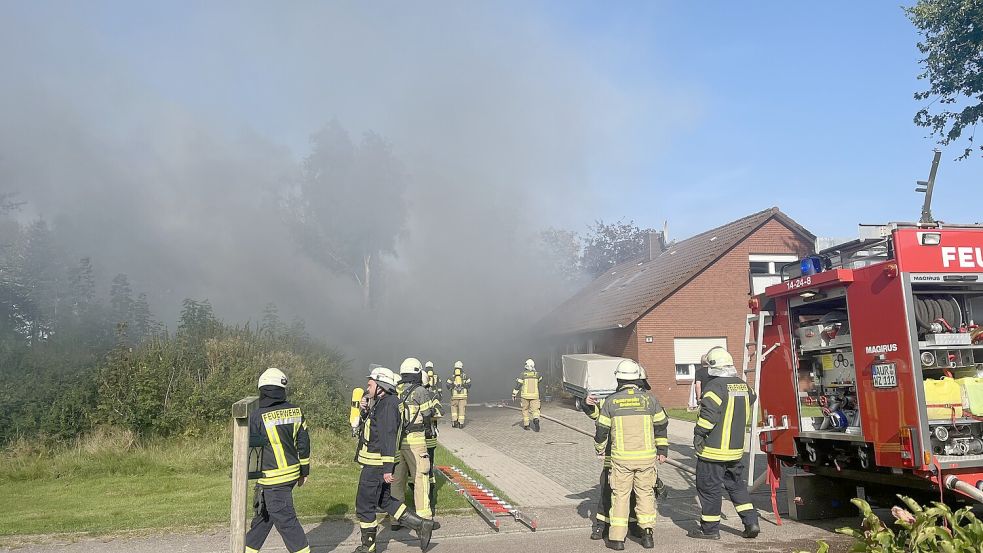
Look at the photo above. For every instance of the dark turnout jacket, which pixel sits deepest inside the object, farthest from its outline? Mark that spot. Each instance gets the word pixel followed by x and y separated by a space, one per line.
pixel 725 410
pixel 279 427
pixel 380 433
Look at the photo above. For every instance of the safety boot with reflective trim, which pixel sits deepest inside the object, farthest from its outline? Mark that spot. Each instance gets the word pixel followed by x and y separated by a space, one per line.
pixel 648 540
pixel 422 526
pixel 368 541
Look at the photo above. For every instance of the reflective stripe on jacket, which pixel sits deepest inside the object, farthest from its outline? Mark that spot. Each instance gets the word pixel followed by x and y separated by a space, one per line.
pixel 459 384
pixel 379 434
pixel 725 410
pixel 528 383
pixel 634 423
pixel 281 430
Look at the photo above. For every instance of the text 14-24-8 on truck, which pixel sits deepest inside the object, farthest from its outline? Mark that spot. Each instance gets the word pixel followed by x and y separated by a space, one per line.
pixel 873 360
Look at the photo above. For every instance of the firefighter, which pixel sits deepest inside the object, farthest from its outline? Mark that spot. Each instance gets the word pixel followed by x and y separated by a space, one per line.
pixel 592 407
pixel 718 439
pixel 280 429
pixel 413 463
pixel 432 384
pixel 636 425
pixel 378 441
pixel 527 388
pixel 459 383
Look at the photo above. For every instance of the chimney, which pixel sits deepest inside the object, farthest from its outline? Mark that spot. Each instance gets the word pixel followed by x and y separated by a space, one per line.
pixel 655 244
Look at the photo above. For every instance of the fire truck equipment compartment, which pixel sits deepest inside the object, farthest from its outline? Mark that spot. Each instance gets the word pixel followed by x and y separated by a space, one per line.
pixel 973 388
pixel 943 398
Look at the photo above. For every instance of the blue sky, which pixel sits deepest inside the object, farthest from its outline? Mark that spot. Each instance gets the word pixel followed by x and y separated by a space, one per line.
pixel 698 113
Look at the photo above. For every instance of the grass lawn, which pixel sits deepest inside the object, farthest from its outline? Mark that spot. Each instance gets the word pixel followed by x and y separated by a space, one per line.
pixel 682 414
pixel 111 484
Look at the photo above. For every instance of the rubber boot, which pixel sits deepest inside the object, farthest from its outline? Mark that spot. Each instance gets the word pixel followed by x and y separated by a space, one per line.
pixel 535 425
pixel 597 533
pixel 422 526
pixel 368 541
pixel 751 531
pixel 461 425
pixel 648 540
pixel 698 534
pixel 616 545
pixel 454 424
pixel 525 427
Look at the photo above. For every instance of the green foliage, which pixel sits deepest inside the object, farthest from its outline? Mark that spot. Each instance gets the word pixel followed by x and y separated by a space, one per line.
pixel 952 43
pixel 187 382
pixel 930 529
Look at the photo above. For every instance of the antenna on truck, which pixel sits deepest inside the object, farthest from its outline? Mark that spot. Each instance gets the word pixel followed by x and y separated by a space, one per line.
pixel 927 187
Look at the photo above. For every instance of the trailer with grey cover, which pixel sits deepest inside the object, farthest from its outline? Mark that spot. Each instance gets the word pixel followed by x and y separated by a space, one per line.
pixel 587 374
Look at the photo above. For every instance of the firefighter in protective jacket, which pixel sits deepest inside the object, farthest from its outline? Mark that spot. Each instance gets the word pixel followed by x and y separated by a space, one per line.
pixel 592 407
pixel 718 439
pixel 413 461
pixel 636 425
pixel 432 384
pixel 459 383
pixel 378 440
pixel 527 388
pixel 280 429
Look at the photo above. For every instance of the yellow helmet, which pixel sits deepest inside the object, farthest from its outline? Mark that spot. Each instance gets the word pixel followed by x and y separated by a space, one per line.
pixel 628 370
pixel 411 365
pixel 718 358
pixel 272 377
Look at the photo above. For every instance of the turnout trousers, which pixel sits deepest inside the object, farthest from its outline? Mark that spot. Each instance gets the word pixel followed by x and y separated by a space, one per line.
pixel 711 476
pixel 530 410
pixel 458 406
pixel 627 477
pixel 374 498
pixel 274 506
pixel 414 466
pixel 604 502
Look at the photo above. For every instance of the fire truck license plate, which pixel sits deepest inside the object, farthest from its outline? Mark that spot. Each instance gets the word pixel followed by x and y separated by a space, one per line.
pixel 884 376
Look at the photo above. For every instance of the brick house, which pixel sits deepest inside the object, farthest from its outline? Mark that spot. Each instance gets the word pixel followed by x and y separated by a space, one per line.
pixel 670 305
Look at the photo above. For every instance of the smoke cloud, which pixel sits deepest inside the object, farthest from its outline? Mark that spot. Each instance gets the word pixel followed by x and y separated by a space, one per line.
pixel 160 141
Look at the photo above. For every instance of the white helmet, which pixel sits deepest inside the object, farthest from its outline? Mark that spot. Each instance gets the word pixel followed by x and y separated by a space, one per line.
pixel 628 370
pixel 411 365
pixel 385 378
pixel 530 365
pixel 429 365
pixel 458 365
pixel 273 377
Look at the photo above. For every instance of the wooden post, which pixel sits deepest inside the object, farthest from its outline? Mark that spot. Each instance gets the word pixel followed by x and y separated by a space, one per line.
pixel 240 471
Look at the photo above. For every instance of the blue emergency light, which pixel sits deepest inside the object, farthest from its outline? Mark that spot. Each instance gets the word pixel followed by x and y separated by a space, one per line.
pixel 811 265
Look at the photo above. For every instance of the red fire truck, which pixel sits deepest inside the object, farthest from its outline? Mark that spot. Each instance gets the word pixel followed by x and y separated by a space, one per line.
pixel 871 358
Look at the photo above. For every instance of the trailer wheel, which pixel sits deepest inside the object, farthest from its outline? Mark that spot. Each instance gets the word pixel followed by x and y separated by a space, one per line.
pixel 578 404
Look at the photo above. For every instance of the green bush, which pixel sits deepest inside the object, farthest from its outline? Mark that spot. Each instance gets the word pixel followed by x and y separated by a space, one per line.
pixel 929 529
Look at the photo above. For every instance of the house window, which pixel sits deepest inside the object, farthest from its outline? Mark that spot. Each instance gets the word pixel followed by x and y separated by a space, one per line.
pixel 765 270
pixel 688 352
pixel 685 372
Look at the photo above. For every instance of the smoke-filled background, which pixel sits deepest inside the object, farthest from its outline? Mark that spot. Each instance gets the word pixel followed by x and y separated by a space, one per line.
pixel 173 143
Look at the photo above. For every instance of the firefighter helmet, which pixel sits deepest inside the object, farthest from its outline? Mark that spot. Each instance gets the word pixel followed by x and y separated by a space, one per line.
pixel 719 358
pixel 273 377
pixel 385 379
pixel 411 365
pixel 628 370
pixel 429 365
pixel 530 365
pixel 458 365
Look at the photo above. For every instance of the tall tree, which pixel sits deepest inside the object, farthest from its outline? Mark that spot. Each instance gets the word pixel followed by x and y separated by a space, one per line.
pixel 607 244
pixel 42 267
pixel 121 300
pixel 952 43
pixel 351 204
pixel 560 252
